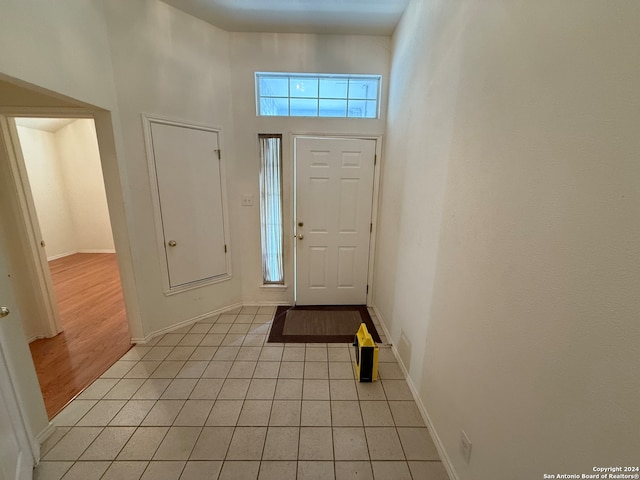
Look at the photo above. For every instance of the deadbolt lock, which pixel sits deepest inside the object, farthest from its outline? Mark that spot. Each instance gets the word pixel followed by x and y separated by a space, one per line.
pixel 300 224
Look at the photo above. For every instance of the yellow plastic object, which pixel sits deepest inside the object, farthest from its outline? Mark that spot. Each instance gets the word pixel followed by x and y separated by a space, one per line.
pixel 366 355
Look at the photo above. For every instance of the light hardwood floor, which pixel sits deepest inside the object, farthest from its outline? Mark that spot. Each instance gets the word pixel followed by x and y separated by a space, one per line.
pixel 96 331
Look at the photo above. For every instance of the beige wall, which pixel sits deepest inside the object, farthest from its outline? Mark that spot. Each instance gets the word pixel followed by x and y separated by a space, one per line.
pixel 507 269
pixel 171 65
pixel 60 47
pixel 509 255
pixel 47 182
pixel 254 52
pixel 80 159
pixel 68 189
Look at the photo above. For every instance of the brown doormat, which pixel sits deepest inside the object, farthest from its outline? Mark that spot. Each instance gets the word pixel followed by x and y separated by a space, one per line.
pixel 320 324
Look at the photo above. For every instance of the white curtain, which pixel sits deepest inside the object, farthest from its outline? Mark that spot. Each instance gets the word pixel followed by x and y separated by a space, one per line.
pixel 271 208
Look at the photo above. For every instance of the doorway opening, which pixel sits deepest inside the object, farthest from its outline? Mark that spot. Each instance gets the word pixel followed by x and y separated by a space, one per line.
pixel 63 186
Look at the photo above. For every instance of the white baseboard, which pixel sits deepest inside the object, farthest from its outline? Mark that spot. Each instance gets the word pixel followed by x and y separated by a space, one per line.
pixel 96 250
pixel 184 323
pixel 82 250
pixel 61 255
pixel 446 461
pixel 33 338
pixel 191 321
pixel 41 438
pixel 265 304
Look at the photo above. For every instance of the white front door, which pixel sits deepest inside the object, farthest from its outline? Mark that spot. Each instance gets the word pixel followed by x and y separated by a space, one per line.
pixel 334 194
pixel 16 461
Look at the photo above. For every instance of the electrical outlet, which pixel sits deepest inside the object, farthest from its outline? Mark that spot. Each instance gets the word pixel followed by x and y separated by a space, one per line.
pixel 247 200
pixel 465 446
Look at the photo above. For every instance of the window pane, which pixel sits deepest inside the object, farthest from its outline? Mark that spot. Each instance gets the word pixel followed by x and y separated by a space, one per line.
pixel 333 108
pixel 363 109
pixel 302 107
pixel 274 106
pixel 303 87
pixel 271 209
pixel 363 89
pixel 317 95
pixel 274 87
pixel 333 87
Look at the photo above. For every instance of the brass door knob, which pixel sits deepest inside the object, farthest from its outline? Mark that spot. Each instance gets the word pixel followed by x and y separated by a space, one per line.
pixel 172 243
pixel 4 311
pixel 300 236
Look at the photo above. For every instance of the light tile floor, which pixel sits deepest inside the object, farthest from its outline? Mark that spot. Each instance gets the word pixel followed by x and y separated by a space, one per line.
pixel 215 401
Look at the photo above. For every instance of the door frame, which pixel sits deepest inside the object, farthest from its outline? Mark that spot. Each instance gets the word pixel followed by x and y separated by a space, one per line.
pixel 375 201
pixel 26 216
pixel 168 290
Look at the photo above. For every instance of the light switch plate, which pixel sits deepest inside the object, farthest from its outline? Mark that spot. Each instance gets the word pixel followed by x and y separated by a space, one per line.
pixel 247 200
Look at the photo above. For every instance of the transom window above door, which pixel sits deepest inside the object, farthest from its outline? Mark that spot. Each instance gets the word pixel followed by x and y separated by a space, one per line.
pixel 317 95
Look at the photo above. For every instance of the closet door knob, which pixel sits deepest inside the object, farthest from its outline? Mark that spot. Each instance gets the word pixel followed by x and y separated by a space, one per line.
pixel 4 311
pixel 172 243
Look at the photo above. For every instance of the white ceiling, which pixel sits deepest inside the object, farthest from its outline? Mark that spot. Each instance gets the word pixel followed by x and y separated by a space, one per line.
pixel 361 17
pixel 47 124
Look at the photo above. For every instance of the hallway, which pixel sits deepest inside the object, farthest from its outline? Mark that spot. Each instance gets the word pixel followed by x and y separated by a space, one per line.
pixel 214 400
pixel 96 332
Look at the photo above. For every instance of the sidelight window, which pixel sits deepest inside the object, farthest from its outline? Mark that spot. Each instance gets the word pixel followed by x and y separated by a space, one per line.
pixel 271 208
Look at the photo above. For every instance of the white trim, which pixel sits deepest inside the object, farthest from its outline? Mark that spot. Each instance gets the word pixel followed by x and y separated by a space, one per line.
pixel 82 250
pixel 96 250
pixel 37 260
pixel 200 283
pixel 444 457
pixel 273 287
pixel 191 321
pixel 375 202
pixel 115 188
pixel 61 255
pixel 267 303
pixel 15 405
pixel 33 338
pixel 44 435
pixel 168 290
pixel 47 112
pixel 374 205
pixel 184 323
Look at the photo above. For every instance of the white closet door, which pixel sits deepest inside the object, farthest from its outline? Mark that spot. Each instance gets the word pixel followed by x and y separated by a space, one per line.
pixel 188 173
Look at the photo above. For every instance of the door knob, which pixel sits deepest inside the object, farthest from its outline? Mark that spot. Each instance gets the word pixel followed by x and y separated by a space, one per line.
pixel 172 243
pixel 300 236
pixel 4 311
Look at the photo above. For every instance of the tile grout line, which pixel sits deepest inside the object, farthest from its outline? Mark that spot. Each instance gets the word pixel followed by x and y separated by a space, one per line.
pixel 228 376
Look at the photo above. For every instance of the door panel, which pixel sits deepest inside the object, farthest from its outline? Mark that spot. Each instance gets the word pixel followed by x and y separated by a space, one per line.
pixel 189 181
pixel 334 190
pixel 16 460
pixel 9 450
